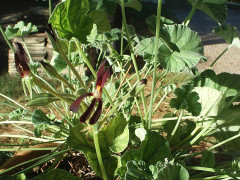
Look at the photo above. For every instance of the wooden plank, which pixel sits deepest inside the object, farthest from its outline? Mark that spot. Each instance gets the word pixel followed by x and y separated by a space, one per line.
pixel 31 40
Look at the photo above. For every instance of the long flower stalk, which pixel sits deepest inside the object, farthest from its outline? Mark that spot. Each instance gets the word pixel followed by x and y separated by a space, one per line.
pixel 70 65
pixel 155 63
pixel 133 58
pixel 94 73
pixel 98 150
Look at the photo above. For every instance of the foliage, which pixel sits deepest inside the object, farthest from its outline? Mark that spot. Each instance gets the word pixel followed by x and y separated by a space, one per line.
pixel 103 109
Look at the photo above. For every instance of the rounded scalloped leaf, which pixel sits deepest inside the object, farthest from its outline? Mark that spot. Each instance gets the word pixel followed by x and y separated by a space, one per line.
pixel 229 33
pixel 173 171
pixel 20 29
pixel 216 9
pixel 182 48
pixel 70 20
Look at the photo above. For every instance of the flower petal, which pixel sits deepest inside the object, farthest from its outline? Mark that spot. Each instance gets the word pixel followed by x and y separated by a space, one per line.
pixel 106 75
pixel 89 111
pixel 100 73
pixel 75 105
pixel 21 60
pixel 97 113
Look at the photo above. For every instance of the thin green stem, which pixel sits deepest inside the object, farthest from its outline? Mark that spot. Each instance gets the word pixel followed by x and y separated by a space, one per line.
pixel 28 149
pixel 220 55
pixel 24 129
pixel 121 50
pixel 26 162
pixel 70 65
pixel 8 98
pixel 190 15
pixel 41 159
pixel 86 59
pixel 215 146
pixel 6 39
pixel 129 84
pixel 39 83
pixel 133 58
pixel 177 125
pixel 196 138
pixel 23 136
pixel 28 53
pixel 155 63
pixel 212 177
pixel 50 7
pixel 189 136
pixel 231 101
pixel 159 103
pixel 98 150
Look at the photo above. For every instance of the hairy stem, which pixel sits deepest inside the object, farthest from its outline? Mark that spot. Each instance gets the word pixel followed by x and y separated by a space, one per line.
pixel 155 63
pixel 98 151
pixel 225 50
pixel 133 58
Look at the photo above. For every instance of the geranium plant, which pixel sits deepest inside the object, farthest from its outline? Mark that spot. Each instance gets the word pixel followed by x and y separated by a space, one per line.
pixel 109 115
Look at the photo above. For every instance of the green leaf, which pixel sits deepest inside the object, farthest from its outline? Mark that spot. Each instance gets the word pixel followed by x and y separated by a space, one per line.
pixel 228 125
pixel 146 48
pixel 110 36
pixel 70 20
pixel 80 140
pixel 208 159
pixel 216 9
pixel 108 6
pixel 101 20
pixel 20 29
pixel 138 171
pixel 141 133
pixel 41 122
pixel 43 99
pixel 17 114
pixel 229 33
pixel 212 101
pixel 115 135
pixel 151 21
pixel 58 174
pixel 173 171
pixel 228 83
pixel 186 99
pixel 39 118
pixel 182 48
pixel 179 48
pixel 111 164
pixel 58 62
pixel 135 4
pixel 153 149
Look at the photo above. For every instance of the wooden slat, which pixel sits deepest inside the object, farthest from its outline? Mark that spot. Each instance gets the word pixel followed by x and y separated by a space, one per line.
pixel 38 46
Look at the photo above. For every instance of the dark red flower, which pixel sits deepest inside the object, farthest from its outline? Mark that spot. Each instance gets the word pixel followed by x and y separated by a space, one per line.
pixel 21 60
pixel 102 76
